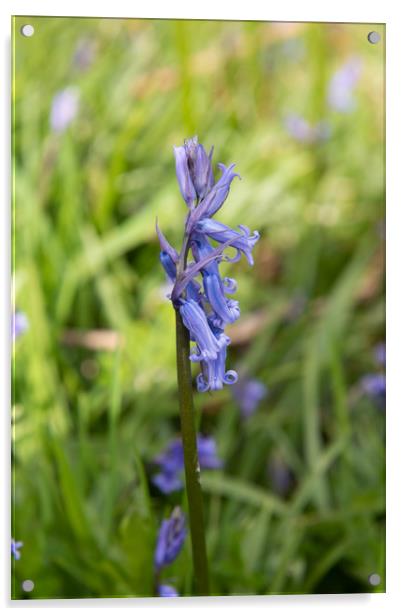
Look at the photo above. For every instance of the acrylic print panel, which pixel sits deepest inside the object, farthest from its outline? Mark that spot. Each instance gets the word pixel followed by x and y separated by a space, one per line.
pixel 288 418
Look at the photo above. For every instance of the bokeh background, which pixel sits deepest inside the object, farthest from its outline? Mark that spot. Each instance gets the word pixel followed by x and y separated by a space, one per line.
pixel 298 506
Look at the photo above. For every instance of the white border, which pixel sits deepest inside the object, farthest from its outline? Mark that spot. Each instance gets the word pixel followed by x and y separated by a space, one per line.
pixel 286 10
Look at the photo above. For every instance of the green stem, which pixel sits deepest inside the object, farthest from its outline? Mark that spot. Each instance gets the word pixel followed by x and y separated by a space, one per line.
pixel 191 464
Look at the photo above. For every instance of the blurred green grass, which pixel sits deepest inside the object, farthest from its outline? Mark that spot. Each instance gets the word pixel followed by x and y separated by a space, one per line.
pixel 87 420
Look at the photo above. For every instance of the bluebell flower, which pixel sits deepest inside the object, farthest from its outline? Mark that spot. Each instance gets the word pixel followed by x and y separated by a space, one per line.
pixel 207 344
pixel 303 131
pixel 243 242
pixel 172 456
pixel 15 548
pixel 248 394
pixel 171 463
pixel 207 452
pixel 214 374
pixel 374 386
pixel 20 324
pixel 165 590
pixel 342 84
pixel 205 308
pixel 64 109
pixel 167 481
pixel 171 536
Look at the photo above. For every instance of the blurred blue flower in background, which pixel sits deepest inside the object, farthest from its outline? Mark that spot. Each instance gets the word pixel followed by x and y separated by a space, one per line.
pixel 303 131
pixel 280 476
pixel 171 463
pixel 64 109
pixel 205 312
pixel 165 590
pixel 342 85
pixel 373 385
pixel 20 324
pixel 248 394
pixel 15 548
pixel 171 536
pixel 380 353
pixel 84 54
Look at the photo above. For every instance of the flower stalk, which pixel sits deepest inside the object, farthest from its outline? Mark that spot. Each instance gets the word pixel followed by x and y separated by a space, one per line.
pixel 191 464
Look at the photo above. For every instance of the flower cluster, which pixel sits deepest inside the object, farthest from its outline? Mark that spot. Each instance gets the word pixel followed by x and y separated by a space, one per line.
pixel 171 536
pixel 171 463
pixel 205 308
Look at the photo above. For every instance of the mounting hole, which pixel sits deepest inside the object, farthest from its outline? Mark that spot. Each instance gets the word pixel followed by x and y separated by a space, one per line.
pixel 28 585
pixel 27 30
pixel 374 37
pixel 374 579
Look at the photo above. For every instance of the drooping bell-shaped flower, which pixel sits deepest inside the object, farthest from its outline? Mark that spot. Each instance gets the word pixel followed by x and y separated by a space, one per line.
pixel 195 320
pixel 222 233
pixel 214 374
pixel 215 288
